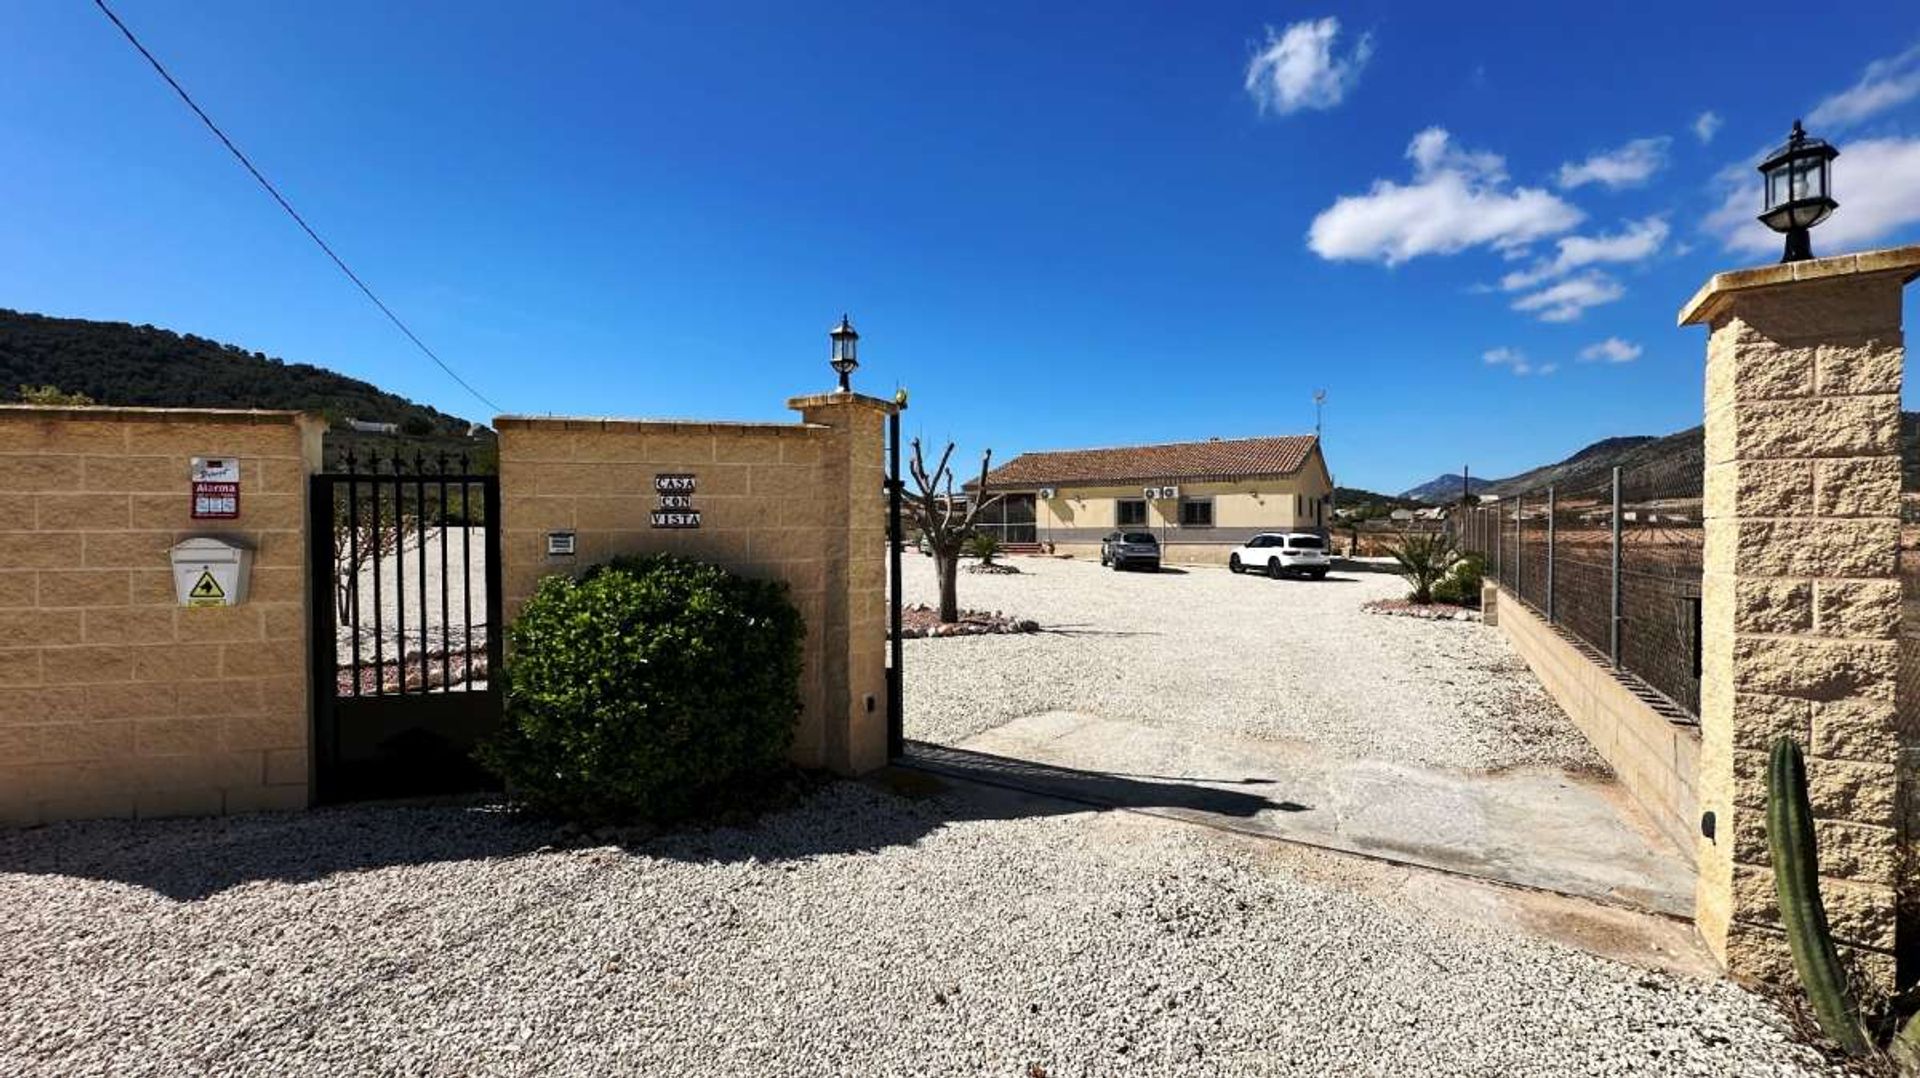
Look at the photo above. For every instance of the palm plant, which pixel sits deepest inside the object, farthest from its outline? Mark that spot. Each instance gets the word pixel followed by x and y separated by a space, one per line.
pixel 984 545
pixel 1424 559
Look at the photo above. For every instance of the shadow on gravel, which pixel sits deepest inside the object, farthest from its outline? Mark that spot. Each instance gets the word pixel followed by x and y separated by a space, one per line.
pixel 189 860
pixel 1079 629
pixel 1351 566
pixel 1110 789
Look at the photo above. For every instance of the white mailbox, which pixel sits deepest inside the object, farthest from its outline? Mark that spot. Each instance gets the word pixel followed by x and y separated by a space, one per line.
pixel 211 572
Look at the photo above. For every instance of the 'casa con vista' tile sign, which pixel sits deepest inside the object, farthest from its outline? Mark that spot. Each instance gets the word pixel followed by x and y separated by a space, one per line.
pixel 676 508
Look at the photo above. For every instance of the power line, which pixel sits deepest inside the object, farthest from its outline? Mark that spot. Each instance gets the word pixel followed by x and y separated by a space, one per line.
pixel 288 206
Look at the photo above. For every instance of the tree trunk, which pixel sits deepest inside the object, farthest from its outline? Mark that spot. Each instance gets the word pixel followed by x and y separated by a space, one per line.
pixel 947 565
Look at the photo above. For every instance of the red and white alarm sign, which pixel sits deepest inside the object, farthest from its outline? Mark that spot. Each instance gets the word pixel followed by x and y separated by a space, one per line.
pixel 216 488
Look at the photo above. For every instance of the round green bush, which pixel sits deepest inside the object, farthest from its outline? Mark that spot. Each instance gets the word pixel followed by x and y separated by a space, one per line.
pixel 645 688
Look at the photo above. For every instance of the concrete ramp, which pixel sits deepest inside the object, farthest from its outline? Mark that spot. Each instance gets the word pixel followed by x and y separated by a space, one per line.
pixel 1538 828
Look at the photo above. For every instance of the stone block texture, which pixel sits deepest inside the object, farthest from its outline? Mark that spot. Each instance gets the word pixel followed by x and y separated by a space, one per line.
pixel 1802 608
pixel 114 699
pixel 802 503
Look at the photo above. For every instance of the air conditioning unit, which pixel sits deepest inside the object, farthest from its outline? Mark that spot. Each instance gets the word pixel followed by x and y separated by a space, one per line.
pixel 1152 493
pixel 1047 493
pixel 1170 493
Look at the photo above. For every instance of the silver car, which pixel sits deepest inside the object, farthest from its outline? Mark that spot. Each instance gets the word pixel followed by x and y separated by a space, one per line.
pixel 1124 550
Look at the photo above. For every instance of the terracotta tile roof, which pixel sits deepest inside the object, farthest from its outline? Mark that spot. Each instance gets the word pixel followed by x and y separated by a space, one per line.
pixel 1216 459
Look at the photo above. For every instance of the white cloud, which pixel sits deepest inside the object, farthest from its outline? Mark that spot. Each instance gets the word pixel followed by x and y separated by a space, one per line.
pixel 1298 69
pixel 1569 299
pixel 1706 125
pixel 1874 179
pixel 1458 199
pixel 1611 350
pixel 1513 359
pixel 1627 166
pixel 1638 240
pixel 1884 84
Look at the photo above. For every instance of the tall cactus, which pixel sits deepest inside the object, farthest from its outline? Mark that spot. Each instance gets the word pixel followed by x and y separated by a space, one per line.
pixel 1796 878
pixel 1906 1047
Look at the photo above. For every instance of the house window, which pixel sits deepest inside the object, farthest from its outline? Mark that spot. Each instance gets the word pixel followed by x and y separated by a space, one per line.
pixel 1196 512
pixel 1130 511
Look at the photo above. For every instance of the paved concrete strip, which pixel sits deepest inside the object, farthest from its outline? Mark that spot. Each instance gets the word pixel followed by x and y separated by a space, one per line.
pixel 1537 828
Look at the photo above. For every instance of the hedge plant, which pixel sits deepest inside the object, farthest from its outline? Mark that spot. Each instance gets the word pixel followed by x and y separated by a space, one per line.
pixel 645 688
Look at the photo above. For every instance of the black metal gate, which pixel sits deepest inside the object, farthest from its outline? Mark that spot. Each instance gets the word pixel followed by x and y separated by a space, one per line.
pixel 896 540
pixel 406 627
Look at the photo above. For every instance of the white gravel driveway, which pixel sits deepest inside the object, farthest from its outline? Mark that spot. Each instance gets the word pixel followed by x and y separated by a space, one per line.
pixel 1219 655
pixel 861 934
pixel 962 930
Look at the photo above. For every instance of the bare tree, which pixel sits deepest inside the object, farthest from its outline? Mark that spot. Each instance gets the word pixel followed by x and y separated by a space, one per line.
pixel 945 526
pixel 357 542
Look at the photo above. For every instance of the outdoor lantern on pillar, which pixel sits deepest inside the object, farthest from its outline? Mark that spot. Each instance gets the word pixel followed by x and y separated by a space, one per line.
pixel 845 346
pixel 1799 190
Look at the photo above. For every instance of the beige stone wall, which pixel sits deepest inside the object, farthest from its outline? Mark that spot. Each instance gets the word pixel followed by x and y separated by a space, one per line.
pixel 1801 607
pixel 801 503
pixel 115 700
pixel 1656 760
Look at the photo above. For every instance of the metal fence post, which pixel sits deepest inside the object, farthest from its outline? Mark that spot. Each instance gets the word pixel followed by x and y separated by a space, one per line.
pixel 1520 545
pixel 896 538
pixel 1552 503
pixel 1613 622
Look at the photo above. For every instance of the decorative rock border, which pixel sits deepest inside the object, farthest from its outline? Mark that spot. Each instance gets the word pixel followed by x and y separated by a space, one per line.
pixel 919 621
pixel 1406 608
pixel 998 568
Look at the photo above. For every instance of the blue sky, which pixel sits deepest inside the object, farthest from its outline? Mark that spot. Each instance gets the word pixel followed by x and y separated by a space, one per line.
pixel 1058 225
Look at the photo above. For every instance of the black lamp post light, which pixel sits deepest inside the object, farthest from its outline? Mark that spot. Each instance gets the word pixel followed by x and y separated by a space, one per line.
pixel 1799 190
pixel 846 345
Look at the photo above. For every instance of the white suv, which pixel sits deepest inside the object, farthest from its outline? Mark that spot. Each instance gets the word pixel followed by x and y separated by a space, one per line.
pixel 1282 552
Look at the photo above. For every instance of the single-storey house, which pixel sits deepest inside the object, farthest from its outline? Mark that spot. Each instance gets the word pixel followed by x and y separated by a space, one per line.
pixel 1201 498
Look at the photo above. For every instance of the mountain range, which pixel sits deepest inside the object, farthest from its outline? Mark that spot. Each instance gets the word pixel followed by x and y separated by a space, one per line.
pixel 1674 457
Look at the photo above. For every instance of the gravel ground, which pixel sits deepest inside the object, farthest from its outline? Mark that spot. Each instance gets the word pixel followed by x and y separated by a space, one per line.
pixel 860 933
pixel 1238 656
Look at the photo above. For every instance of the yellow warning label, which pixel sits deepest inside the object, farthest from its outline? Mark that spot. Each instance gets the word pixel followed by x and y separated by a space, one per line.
pixel 206 591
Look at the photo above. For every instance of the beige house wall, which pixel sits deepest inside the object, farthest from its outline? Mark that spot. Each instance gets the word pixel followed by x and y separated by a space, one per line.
pixel 114 699
pixel 1656 760
pixel 801 503
pixel 1079 514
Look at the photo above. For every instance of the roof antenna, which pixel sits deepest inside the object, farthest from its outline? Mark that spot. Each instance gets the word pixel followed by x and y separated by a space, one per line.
pixel 1319 402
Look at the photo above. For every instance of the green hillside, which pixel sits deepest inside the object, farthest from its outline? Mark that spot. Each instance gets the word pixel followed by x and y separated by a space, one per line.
pixel 117 363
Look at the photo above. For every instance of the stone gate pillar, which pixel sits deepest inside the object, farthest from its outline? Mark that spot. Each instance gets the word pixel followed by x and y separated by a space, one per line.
pixel 853 475
pixel 1801 610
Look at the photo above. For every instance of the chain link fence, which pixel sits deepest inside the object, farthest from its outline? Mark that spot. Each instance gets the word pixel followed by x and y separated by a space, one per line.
pixel 1614 562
